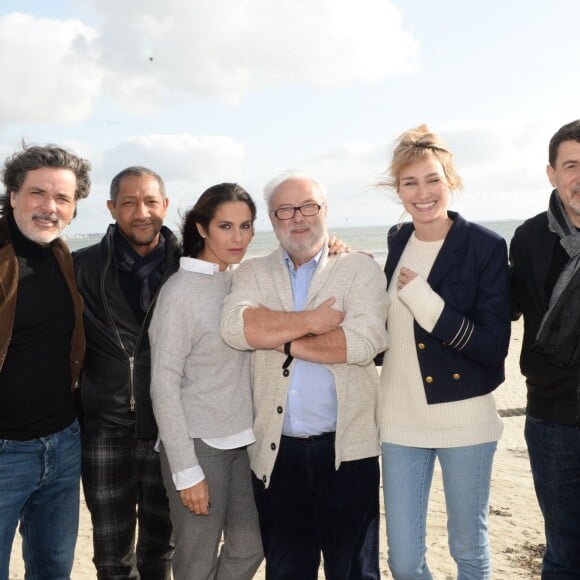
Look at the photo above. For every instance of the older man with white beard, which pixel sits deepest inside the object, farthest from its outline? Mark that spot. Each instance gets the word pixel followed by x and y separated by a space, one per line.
pixel 315 323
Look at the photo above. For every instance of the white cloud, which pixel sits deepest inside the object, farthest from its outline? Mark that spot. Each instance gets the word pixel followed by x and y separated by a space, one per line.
pixel 350 173
pixel 148 54
pixel 50 72
pixel 188 164
pixel 5 152
pixel 502 165
pixel 66 69
pixel 225 48
pixel 181 157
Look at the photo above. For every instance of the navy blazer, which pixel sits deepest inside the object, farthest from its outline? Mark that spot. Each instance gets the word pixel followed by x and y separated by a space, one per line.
pixel 464 355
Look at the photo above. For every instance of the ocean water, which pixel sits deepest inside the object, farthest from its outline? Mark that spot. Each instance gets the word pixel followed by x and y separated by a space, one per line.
pixel 371 239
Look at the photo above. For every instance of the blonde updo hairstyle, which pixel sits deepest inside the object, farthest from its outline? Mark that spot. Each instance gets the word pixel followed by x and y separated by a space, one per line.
pixel 411 148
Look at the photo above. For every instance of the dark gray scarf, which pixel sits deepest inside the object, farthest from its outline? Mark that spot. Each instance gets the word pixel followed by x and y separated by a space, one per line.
pixel 147 269
pixel 559 332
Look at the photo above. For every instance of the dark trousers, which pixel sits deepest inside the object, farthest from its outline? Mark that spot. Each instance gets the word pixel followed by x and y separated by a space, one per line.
pixel 310 507
pixel 123 486
pixel 555 460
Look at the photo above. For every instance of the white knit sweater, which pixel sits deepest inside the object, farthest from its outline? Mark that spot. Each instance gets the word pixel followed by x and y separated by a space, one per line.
pixel 407 419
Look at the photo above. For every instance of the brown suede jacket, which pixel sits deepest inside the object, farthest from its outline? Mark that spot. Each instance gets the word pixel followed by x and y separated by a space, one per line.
pixel 8 291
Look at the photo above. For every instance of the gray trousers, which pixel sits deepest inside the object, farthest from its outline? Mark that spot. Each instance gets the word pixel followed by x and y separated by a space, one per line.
pixel 233 513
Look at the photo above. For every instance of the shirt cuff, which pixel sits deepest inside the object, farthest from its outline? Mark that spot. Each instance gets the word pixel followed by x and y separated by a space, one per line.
pixel 188 477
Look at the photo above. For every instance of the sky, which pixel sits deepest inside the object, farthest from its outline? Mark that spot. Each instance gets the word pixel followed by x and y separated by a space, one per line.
pixel 207 91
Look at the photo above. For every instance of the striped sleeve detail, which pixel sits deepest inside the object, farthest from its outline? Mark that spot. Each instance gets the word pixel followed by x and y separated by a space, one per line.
pixel 463 336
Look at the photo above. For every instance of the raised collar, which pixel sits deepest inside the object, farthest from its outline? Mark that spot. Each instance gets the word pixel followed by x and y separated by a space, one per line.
pixel 198 266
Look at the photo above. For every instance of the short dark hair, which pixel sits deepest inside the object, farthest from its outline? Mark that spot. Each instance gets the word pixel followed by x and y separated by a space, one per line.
pixel 568 132
pixel 204 211
pixel 33 157
pixel 134 171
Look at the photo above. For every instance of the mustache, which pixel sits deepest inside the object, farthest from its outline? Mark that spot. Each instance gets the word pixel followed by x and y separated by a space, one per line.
pixel 51 217
pixel 142 222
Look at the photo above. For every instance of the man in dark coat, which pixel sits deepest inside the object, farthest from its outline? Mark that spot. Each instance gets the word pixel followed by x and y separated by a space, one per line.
pixel 41 351
pixel 545 263
pixel 119 279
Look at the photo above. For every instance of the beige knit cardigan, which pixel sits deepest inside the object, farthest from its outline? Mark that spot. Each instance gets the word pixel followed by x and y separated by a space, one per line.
pixel 359 286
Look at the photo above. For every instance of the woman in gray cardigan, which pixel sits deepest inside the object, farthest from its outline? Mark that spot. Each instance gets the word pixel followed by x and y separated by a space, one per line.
pixel 202 398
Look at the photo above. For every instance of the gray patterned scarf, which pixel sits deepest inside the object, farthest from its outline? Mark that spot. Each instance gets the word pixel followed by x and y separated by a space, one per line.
pixel 559 332
pixel 148 269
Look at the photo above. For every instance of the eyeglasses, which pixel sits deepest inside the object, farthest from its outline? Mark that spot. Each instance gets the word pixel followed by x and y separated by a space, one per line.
pixel 307 210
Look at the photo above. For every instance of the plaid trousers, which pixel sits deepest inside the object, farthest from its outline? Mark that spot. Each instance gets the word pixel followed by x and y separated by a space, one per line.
pixel 123 487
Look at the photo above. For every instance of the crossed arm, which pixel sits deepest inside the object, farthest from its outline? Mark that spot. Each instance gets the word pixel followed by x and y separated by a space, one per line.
pixel 315 334
pixel 323 334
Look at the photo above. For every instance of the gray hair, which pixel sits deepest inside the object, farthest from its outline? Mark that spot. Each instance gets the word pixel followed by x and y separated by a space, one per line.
pixel 32 157
pixel 291 175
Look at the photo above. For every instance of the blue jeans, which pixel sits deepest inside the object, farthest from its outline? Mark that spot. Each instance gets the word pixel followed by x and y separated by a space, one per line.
pixel 310 507
pixel 555 461
pixel 40 488
pixel 407 475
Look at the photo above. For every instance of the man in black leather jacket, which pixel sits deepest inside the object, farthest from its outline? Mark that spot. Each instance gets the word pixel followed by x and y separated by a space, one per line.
pixel 119 279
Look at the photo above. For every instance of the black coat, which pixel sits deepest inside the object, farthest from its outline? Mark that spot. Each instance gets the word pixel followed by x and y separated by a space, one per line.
pixel 118 359
pixel 553 392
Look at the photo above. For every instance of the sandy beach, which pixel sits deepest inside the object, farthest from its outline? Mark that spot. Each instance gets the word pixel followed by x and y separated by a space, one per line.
pixel 515 523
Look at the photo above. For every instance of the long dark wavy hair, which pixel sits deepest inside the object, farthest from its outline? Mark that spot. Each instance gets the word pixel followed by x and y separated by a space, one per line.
pixel 204 211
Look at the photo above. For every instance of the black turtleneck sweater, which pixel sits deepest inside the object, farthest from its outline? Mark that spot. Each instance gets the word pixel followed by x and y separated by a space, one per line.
pixel 35 395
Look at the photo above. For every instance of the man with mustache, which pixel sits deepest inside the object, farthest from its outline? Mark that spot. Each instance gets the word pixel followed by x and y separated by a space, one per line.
pixel 545 264
pixel 41 352
pixel 119 279
pixel 315 322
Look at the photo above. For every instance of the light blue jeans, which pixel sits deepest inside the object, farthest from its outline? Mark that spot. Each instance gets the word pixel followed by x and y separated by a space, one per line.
pixel 407 475
pixel 39 486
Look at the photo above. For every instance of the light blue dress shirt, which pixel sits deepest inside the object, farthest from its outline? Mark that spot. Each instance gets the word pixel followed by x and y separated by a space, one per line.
pixel 311 406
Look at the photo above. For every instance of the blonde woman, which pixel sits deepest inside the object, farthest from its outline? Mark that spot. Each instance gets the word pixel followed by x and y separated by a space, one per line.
pixel 449 322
